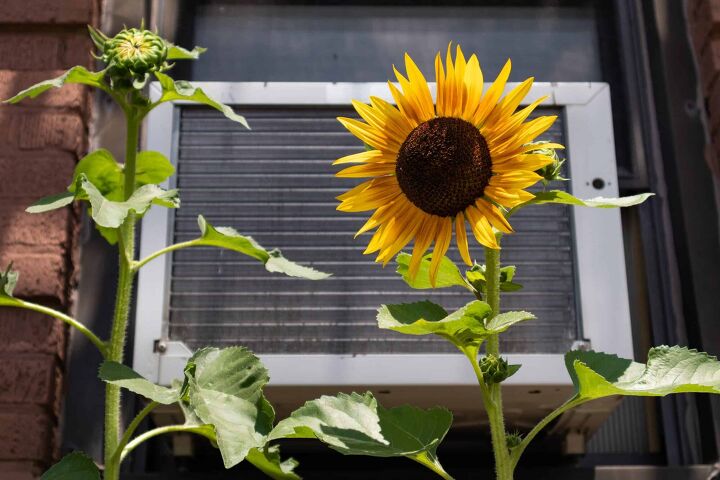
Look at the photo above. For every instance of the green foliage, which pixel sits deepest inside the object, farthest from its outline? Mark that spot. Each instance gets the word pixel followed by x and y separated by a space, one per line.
pixel 668 370
pixel 468 326
pixel 125 377
pixel 224 389
pixel 476 277
pixel 108 213
pixel 182 90
pixel 229 238
pixel 180 53
pixel 558 196
pixel 268 461
pixel 355 424
pixel 74 75
pixel 448 274
pixel 74 466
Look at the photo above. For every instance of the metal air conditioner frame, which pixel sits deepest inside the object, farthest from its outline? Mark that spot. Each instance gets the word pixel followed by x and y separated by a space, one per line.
pixel 600 263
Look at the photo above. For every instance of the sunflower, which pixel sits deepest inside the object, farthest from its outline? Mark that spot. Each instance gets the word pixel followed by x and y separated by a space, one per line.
pixel 434 167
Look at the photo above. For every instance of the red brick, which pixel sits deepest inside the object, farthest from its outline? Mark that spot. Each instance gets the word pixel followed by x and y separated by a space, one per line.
pixel 20 470
pixel 34 175
pixel 38 51
pixel 28 331
pixel 47 11
pixel 28 379
pixel 21 228
pixel 41 274
pixel 26 433
pixel 705 24
pixel 70 96
pixel 710 65
pixel 28 130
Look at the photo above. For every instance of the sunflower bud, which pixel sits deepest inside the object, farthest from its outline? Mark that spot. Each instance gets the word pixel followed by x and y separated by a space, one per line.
pixel 551 171
pixel 513 439
pixel 132 55
pixel 494 369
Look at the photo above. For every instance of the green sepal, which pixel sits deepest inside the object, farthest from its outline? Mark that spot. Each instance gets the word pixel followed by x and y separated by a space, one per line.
pixel 74 466
pixel 355 424
pixel 558 196
pixel 183 90
pixel 476 277
pixel 467 326
pixel 179 53
pixel 229 238
pixel 76 74
pixel 448 273
pixel 125 377
pixel 668 370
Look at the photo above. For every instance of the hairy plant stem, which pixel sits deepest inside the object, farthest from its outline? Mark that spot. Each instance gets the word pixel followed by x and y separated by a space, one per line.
pixel 116 347
pixel 492 396
pixel 161 431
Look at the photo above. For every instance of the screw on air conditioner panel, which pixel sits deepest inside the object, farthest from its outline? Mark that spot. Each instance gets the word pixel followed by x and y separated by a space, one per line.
pixel 159 346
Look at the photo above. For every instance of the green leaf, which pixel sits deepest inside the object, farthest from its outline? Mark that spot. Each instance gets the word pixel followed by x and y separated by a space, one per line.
pixel 224 389
pixel 468 326
pixel 101 169
pixel 476 277
pixel 502 322
pixel 229 238
pixel 558 196
pixel 8 280
pixel 356 425
pixel 111 214
pixel 668 370
pixel 182 90
pixel 52 202
pixel 268 461
pixel 448 274
pixel 74 466
pixel 180 53
pixel 152 168
pixel 125 377
pixel 74 75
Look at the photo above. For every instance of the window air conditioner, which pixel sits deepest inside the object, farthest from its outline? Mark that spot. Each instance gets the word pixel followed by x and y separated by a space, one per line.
pixel 276 183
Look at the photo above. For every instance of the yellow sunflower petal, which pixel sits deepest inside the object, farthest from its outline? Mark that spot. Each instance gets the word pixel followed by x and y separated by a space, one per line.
pixel 423 98
pixel 459 81
pixel 404 105
pixel 518 179
pixel 494 216
pixel 508 126
pixel 493 94
pixel 367 156
pixel 374 196
pixel 507 198
pixel 379 120
pixel 424 237
pixel 461 238
pixel 393 115
pixel 406 233
pixel 481 228
pixel 442 243
pixel 527 161
pixel 440 85
pixel 367 170
pixel 509 104
pixel 473 86
pixel 449 86
pixel 370 135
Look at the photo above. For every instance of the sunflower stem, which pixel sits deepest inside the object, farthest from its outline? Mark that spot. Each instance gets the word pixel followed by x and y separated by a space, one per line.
pixel 116 347
pixel 493 396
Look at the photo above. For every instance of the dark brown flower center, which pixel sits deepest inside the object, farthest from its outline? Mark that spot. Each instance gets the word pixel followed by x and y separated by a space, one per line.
pixel 443 166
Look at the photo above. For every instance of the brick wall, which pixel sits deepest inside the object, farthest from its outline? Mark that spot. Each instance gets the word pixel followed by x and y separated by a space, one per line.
pixel 40 142
pixel 704 27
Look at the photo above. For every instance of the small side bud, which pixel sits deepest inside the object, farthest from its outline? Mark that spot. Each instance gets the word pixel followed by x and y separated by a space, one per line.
pixel 494 369
pixel 552 171
pixel 513 439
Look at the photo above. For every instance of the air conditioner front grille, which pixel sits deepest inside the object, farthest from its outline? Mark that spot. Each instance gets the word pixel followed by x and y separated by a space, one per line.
pixel 275 183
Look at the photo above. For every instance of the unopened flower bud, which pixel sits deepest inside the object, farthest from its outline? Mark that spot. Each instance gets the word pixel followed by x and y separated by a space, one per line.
pixel 552 171
pixel 494 369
